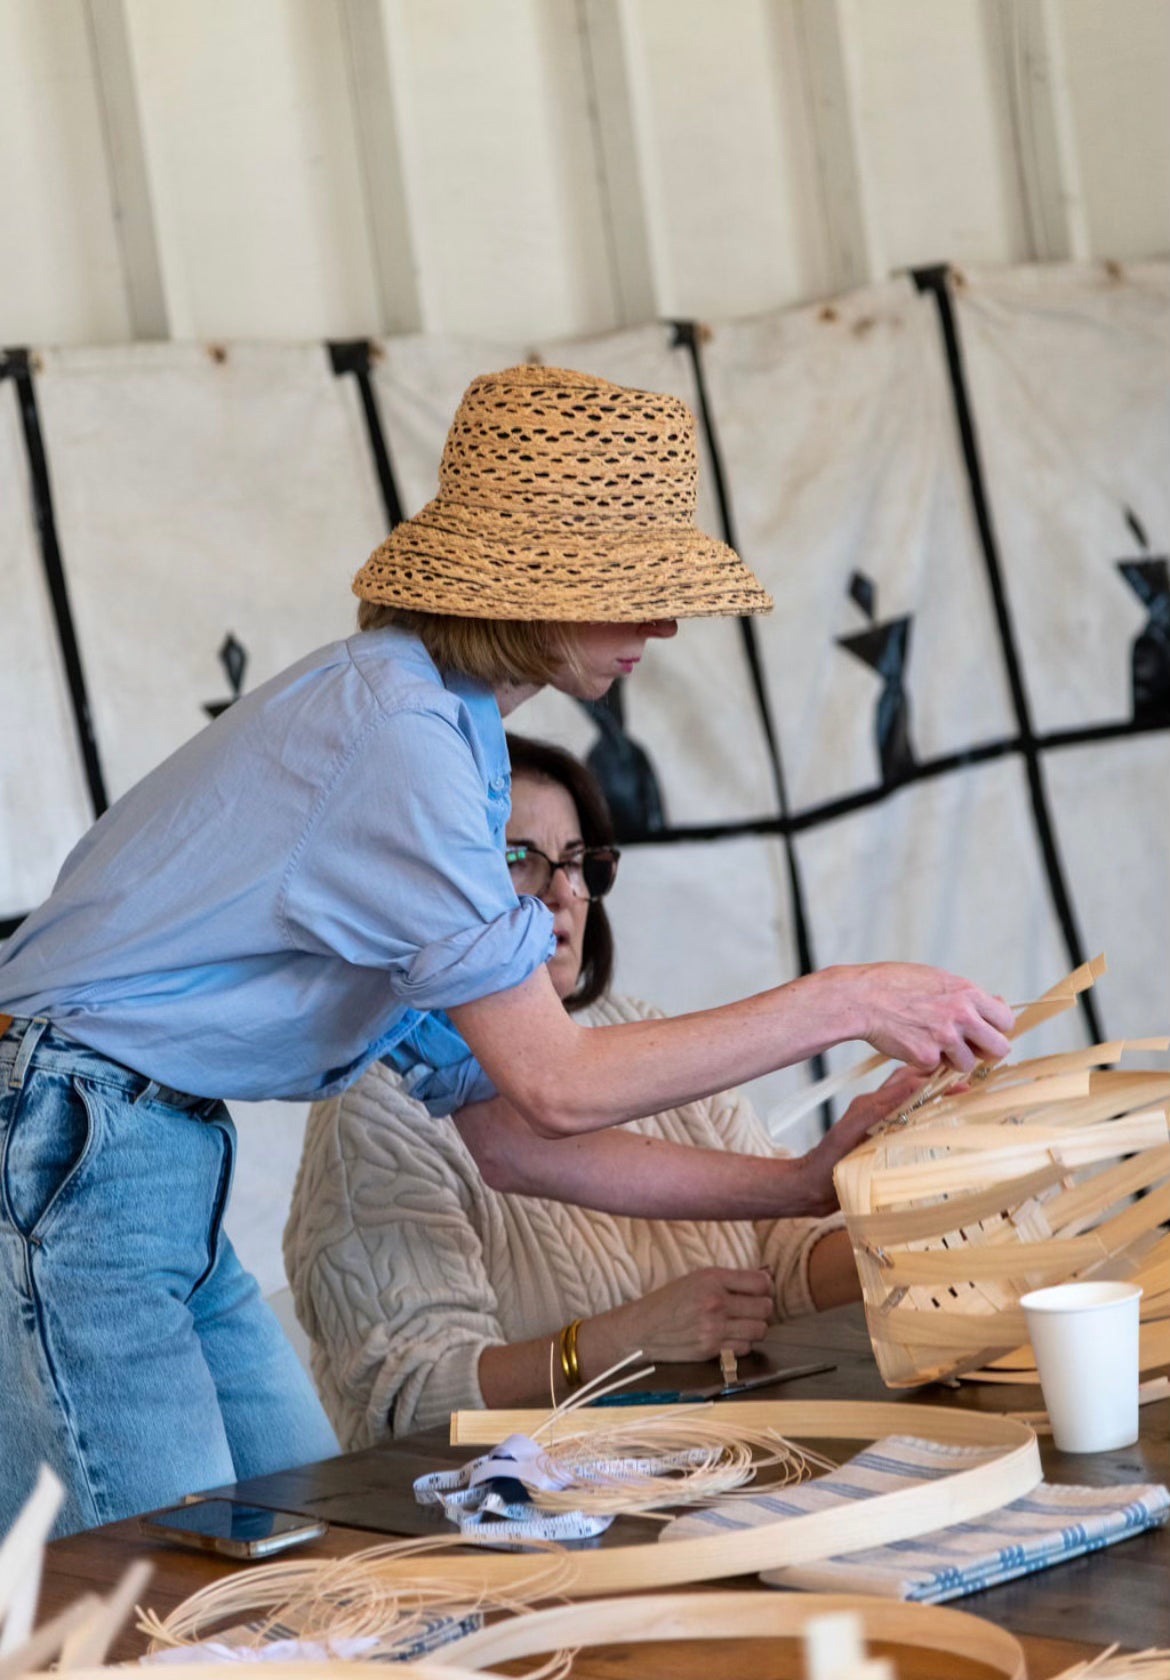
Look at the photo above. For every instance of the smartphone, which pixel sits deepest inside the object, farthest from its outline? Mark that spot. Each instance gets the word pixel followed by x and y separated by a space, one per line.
pixel 233 1529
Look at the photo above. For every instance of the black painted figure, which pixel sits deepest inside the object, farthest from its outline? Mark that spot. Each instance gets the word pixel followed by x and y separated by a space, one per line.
pixel 885 648
pixel 624 770
pixel 234 659
pixel 1150 655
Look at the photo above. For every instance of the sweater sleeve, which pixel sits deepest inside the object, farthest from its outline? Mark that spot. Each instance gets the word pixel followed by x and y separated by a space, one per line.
pixel 785 1244
pixel 386 1264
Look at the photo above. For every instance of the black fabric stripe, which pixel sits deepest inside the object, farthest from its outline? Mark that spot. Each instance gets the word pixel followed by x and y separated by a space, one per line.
pixel 817 816
pixel 352 355
pixel 686 335
pixel 935 281
pixel 1091 732
pixel 16 365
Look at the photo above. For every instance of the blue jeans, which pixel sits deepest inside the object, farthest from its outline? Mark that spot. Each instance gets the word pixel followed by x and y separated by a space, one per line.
pixel 136 1355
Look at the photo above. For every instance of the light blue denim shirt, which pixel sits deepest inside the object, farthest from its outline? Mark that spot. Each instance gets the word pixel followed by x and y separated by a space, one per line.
pixel 291 894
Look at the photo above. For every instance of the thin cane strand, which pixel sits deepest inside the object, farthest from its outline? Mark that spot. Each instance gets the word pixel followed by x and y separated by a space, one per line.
pixel 328 1601
pixel 672 1459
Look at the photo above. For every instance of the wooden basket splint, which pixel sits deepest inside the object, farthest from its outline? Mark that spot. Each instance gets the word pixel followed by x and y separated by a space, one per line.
pixel 1041 1172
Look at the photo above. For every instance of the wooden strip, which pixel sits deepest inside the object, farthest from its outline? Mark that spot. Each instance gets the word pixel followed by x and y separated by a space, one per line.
pixel 1084 1149
pixel 1000 1101
pixel 848 1420
pixel 1004 1257
pixel 1090 1056
pixel 85 1646
pixel 738 1615
pixel 1019 1366
pixel 1084 1199
pixel 41 1647
pixel 944 1329
pixel 872 1522
pixel 785 1115
pixel 21 1559
pixel 983 1139
pixel 1058 998
pixel 882 1230
pixel 332 1669
pixel 946 1266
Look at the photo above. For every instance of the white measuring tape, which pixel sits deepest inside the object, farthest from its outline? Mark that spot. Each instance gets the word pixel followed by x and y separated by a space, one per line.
pixel 488 1497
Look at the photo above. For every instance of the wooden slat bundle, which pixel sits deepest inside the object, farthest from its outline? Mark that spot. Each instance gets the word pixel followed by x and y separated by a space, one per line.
pixel 1041 1172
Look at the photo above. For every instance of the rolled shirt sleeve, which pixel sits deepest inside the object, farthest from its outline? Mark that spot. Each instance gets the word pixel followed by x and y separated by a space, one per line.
pixel 436 1067
pixel 404 871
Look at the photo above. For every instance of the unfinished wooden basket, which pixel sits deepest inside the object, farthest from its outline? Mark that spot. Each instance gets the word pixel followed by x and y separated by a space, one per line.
pixel 1039 1173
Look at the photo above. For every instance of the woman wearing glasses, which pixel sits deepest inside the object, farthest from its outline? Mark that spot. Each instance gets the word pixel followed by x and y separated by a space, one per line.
pixel 424 1290
pixel 316 882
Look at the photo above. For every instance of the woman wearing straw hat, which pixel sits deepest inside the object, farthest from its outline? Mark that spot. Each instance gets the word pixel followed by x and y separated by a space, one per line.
pixel 317 881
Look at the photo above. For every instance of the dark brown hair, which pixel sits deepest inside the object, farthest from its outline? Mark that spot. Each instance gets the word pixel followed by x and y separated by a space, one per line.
pixel 552 764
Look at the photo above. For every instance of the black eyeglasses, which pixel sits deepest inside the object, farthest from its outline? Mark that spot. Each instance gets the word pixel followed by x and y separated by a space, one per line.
pixel 590 872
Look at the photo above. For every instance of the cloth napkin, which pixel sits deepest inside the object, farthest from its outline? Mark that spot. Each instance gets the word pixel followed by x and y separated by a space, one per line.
pixel 1047 1526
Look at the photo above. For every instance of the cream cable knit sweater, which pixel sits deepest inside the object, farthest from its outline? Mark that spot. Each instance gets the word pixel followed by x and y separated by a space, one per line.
pixel 404 1265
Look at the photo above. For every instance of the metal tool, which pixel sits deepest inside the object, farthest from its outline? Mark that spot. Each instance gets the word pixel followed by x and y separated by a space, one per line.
pixel 717 1391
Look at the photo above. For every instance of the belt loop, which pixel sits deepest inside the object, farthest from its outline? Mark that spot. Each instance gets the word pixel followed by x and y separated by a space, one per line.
pixel 148 1092
pixel 32 1037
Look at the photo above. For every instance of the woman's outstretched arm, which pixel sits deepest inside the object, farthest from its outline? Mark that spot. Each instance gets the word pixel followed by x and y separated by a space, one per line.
pixel 566 1079
pixel 650 1178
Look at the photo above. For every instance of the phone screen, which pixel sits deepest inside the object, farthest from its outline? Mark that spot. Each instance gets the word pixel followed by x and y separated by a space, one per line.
pixel 227 1519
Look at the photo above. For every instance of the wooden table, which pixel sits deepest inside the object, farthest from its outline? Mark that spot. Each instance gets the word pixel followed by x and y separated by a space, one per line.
pixel 1118 1595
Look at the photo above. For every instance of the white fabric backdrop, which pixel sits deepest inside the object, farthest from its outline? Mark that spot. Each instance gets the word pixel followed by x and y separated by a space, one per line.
pixel 841 455
pixel 1070 379
pixel 44 804
pixel 198 496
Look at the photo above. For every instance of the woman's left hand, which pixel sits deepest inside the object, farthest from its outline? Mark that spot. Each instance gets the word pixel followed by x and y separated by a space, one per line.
pixel 858 1119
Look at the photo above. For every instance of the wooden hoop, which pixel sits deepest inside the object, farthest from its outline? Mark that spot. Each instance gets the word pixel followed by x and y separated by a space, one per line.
pixel 736 1615
pixel 790 1540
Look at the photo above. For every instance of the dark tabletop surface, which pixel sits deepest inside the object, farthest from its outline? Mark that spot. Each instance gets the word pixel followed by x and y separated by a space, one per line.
pixel 1120 1594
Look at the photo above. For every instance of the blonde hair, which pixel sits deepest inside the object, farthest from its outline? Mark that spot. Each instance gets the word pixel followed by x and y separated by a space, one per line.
pixel 494 650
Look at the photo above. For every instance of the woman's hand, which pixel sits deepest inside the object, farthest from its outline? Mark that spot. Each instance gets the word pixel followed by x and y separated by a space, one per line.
pixel 692 1318
pixel 925 1016
pixel 863 1113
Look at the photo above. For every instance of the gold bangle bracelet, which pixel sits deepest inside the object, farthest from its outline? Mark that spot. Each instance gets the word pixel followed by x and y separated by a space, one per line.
pixel 570 1364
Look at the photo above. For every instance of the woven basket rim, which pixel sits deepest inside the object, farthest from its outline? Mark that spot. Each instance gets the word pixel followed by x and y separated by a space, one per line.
pixel 475 562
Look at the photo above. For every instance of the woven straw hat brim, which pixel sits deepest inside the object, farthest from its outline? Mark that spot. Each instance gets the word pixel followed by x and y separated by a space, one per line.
pixel 483 563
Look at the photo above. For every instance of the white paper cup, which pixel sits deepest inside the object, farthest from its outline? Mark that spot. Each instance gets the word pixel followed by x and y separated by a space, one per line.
pixel 1085 1338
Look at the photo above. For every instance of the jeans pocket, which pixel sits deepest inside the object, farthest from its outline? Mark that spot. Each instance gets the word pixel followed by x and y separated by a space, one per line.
pixel 225 1126
pixel 50 1137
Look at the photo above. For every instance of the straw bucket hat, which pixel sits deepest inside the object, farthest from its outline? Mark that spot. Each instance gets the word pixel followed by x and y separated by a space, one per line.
pixel 564 498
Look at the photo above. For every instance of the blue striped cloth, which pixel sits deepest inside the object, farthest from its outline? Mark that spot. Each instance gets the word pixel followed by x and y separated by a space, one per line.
pixel 1047 1526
